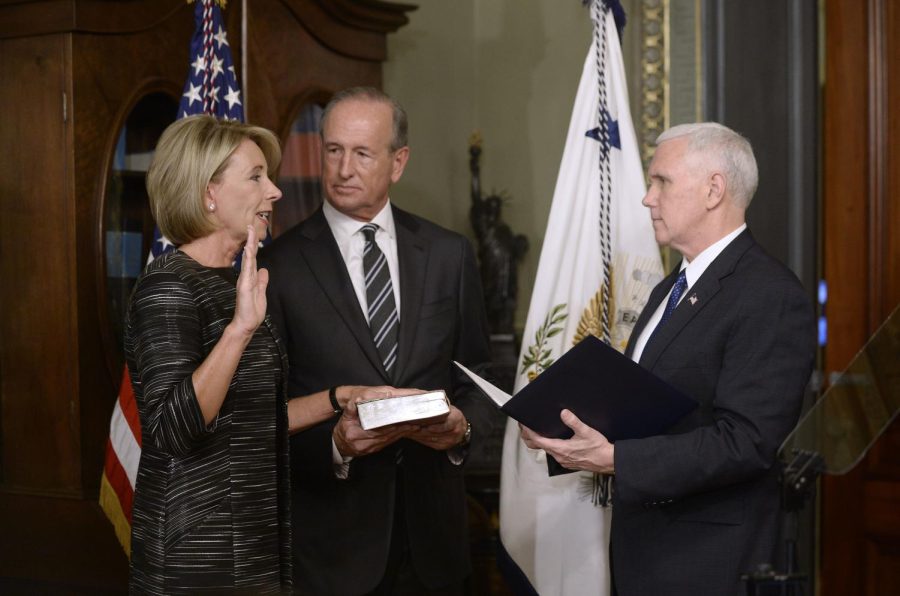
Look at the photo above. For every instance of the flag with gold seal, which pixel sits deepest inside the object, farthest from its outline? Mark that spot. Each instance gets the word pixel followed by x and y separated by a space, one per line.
pixel 598 264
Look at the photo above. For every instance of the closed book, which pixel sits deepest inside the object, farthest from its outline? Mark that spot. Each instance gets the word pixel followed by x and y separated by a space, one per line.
pixel 422 408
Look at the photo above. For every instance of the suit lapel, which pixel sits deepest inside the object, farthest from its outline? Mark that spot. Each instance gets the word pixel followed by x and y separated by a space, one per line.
pixel 696 298
pixel 412 253
pixel 656 296
pixel 323 257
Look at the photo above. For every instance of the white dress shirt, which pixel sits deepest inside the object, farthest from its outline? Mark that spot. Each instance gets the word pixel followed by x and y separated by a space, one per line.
pixel 351 242
pixel 348 234
pixel 692 272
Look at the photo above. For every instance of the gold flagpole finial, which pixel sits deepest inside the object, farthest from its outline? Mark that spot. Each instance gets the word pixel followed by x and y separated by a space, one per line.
pixel 221 3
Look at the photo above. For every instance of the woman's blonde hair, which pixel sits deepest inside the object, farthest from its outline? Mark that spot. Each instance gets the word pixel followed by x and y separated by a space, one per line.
pixel 191 153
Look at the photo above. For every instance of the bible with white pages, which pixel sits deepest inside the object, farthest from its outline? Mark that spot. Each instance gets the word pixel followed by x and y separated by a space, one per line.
pixel 421 408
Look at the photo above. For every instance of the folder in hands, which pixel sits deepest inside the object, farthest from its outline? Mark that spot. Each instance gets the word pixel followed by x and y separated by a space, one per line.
pixel 605 389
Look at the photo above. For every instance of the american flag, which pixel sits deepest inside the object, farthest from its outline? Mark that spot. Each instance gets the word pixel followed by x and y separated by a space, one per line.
pixel 211 88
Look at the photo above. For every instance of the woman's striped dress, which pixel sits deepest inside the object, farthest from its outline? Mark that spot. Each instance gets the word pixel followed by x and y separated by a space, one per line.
pixel 211 502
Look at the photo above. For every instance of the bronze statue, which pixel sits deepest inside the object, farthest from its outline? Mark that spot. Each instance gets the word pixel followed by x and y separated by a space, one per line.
pixel 499 250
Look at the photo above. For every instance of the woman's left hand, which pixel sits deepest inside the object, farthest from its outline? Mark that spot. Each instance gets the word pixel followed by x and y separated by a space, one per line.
pixel 250 307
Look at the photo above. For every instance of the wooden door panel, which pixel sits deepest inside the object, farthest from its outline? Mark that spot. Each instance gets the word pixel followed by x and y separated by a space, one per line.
pixel 38 409
pixel 860 527
pixel 882 573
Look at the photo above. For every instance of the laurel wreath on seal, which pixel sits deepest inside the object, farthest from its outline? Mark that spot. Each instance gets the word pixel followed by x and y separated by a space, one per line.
pixel 591 319
pixel 538 356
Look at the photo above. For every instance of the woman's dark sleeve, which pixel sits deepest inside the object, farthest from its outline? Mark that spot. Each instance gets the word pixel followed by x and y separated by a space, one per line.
pixel 166 344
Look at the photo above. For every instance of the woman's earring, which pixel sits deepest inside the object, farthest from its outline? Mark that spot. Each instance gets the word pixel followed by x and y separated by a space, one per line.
pixel 212 206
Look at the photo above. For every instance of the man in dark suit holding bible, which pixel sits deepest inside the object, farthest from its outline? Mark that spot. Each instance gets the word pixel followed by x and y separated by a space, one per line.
pixel 696 507
pixel 367 295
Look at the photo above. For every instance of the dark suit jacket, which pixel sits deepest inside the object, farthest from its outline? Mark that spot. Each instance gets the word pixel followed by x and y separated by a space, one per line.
pixel 698 506
pixel 342 528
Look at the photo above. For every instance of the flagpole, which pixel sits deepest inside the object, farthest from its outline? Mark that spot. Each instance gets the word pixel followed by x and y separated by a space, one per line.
pixel 244 86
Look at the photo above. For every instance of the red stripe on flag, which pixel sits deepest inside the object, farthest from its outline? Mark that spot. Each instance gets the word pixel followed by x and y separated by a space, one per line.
pixel 128 403
pixel 118 480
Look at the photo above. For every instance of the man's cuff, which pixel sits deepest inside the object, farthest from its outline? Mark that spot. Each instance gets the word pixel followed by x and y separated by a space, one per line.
pixel 458 455
pixel 340 463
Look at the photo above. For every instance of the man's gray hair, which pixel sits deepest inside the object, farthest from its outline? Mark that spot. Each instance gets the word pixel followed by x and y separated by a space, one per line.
pixel 724 149
pixel 400 124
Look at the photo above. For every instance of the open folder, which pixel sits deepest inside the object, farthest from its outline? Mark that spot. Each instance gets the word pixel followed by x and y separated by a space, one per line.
pixel 605 389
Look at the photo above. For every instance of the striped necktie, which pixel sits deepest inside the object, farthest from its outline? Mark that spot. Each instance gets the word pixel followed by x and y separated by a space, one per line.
pixel 384 321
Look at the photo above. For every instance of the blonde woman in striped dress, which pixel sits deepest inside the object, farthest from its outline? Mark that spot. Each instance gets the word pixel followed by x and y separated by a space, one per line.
pixel 208 371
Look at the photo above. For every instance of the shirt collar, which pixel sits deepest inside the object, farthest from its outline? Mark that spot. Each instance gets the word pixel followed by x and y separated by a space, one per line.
pixel 344 227
pixel 694 269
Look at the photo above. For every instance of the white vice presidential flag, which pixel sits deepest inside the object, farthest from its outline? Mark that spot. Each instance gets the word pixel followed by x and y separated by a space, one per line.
pixel 598 264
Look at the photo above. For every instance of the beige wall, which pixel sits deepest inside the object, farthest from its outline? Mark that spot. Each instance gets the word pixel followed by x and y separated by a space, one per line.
pixel 431 71
pixel 509 68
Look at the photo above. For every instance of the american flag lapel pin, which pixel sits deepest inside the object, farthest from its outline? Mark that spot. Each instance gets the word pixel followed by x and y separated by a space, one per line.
pixel 693 299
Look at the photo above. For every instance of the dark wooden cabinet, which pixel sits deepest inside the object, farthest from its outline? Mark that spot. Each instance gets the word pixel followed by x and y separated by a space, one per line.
pixel 73 72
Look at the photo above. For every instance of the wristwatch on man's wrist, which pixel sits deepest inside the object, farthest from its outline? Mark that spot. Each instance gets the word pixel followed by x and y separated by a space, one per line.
pixel 467 436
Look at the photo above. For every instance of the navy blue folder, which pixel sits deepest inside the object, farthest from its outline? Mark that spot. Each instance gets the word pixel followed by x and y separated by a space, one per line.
pixel 605 389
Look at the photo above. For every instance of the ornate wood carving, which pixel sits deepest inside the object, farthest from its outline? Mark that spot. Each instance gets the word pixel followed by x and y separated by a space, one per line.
pixel 654 75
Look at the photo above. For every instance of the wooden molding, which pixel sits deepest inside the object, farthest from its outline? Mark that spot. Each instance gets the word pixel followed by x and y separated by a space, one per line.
pixel 352 29
pixel 371 15
pixel 877 176
pixel 41 17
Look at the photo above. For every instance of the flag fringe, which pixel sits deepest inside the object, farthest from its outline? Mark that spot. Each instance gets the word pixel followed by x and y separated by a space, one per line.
pixel 112 507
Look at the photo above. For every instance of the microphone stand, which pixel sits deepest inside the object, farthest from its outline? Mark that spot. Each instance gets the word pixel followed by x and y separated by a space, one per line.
pixel 833 437
pixel 798 482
